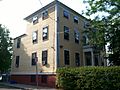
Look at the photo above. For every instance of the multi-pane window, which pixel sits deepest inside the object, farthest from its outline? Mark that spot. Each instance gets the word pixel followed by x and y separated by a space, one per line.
pixel 44 78
pixel 17 61
pixel 45 33
pixel 66 14
pixel 35 20
pixel 77 59
pixel 66 57
pixel 34 37
pixel 44 57
pixel 77 36
pixel 45 15
pixel 18 42
pixel 76 19
pixel 66 33
pixel 34 58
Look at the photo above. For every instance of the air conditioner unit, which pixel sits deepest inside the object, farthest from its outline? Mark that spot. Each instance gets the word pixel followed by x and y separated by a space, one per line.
pixel 43 63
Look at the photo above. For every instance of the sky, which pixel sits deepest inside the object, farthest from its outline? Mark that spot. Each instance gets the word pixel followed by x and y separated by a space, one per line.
pixel 12 12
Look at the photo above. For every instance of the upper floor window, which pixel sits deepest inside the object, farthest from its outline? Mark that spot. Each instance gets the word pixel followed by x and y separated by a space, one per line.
pixel 85 40
pixel 34 58
pixel 34 37
pixel 45 33
pixel 66 57
pixel 35 20
pixel 44 57
pixel 77 59
pixel 77 36
pixel 18 42
pixel 66 33
pixel 76 19
pixel 45 14
pixel 66 14
pixel 17 61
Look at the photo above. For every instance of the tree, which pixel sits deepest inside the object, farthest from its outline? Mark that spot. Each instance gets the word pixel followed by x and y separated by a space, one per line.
pixel 106 21
pixel 5 49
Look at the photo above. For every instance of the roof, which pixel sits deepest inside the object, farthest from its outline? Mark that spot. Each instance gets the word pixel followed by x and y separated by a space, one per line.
pixel 51 4
pixel 20 36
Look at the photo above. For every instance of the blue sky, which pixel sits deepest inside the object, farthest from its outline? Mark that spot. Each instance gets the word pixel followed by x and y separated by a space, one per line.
pixel 12 12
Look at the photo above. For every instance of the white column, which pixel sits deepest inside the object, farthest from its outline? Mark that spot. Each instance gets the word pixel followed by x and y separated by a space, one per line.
pixel 92 57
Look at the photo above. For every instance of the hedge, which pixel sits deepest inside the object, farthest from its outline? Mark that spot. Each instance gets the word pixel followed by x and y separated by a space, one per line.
pixel 89 78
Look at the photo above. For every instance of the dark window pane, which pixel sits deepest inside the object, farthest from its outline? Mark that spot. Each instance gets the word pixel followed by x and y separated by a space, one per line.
pixel 66 14
pixel 45 33
pixel 18 42
pixel 76 36
pixel 35 37
pixel 44 57
pixel 45 15
pixel 17 61
pixel 66 57
pixel 77 59
pixel 35 20
pixel 34 56
pixel 66 33
pixel 76 20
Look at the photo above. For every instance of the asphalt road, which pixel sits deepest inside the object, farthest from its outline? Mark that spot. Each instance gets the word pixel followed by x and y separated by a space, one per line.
pixel 4 87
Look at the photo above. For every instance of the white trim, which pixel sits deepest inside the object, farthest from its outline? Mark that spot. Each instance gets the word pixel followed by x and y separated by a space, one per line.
pixel 39 73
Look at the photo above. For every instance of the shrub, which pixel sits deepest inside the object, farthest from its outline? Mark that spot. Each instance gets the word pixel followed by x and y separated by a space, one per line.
pixel 90 78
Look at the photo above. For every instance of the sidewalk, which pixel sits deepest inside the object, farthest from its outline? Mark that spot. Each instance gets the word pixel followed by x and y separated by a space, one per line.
pixel 27 87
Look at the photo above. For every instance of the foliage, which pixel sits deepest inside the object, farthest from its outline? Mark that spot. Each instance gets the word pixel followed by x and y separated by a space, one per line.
pixel 106 21
pixel 89 78
pixel 5 49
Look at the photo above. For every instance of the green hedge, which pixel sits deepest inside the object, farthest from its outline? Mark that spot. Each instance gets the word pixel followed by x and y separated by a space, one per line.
pixel 89 78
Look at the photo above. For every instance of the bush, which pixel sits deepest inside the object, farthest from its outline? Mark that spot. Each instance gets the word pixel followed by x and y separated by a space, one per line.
pixel 90 78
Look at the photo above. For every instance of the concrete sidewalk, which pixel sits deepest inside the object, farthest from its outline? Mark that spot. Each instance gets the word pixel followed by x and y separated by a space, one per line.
pixel 27 87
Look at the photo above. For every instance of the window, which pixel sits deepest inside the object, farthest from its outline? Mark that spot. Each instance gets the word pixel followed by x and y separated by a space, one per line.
pixel 45 33
pixel 44 57
pixel 66 57
pixel 76 19
pixel 34 58
pixel 45 15
pixel 66 14
pixel 34 37
pixel 33 78
pixel 35 20
pixel 76 33
pixel 44 78
pixel 17 61
pixel 66 33
pixel 18 42
pixel 77 59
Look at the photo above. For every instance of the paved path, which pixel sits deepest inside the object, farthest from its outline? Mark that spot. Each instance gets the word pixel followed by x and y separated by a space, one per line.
pixel 8 86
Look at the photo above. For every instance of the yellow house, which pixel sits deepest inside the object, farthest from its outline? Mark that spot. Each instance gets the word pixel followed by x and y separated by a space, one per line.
pixel 53 39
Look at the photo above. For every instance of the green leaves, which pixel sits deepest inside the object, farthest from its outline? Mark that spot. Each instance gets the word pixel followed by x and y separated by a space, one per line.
pixel 89 78
pixel 5 49
pixel 106 21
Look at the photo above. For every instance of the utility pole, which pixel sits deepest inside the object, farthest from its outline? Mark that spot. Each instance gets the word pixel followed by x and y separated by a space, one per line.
pixel 36 60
